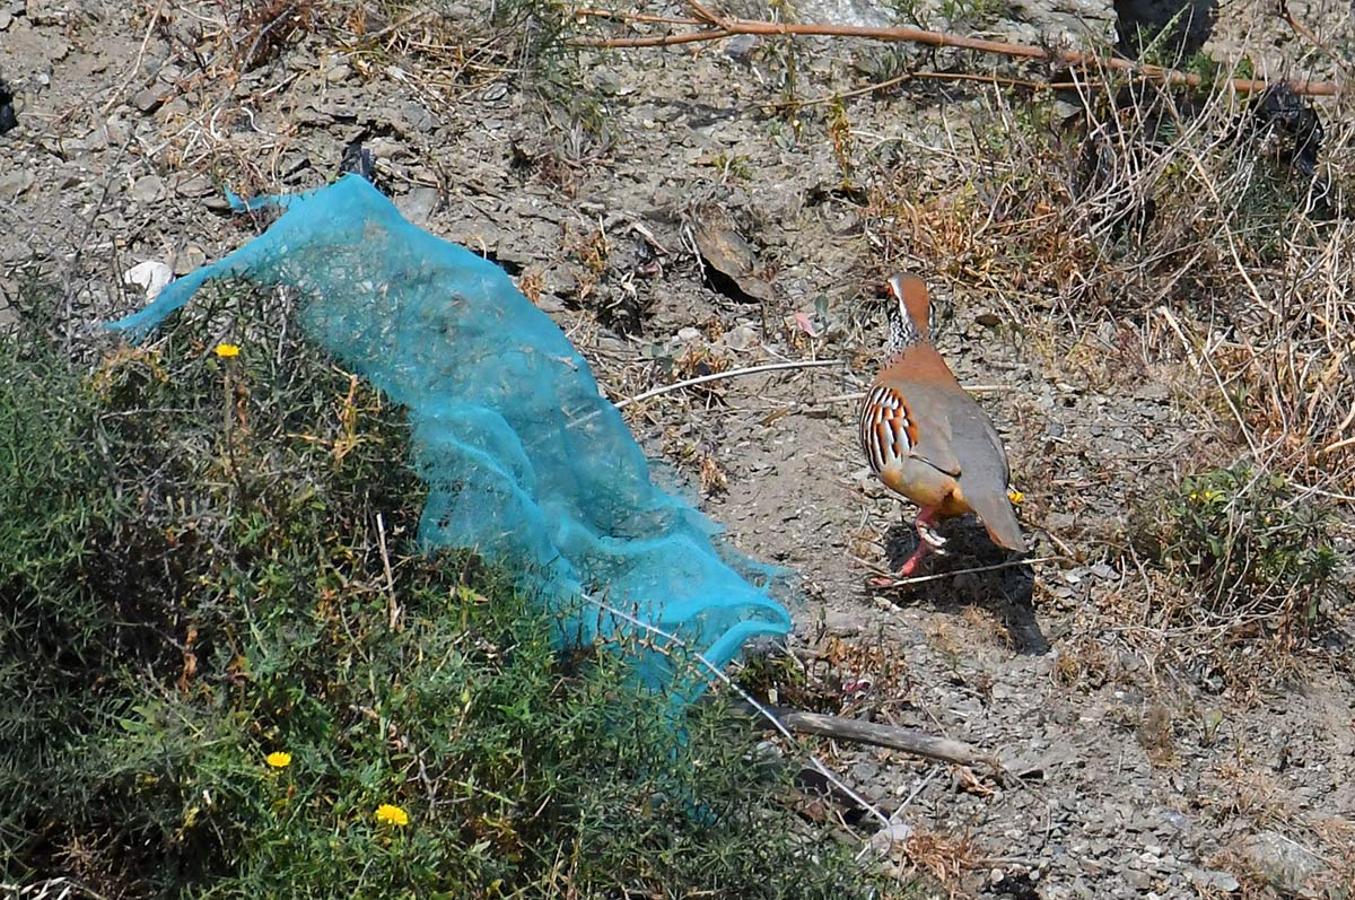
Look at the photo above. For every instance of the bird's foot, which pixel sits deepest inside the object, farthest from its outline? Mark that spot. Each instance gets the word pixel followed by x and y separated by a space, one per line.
pixel 930 537
pixel 910 565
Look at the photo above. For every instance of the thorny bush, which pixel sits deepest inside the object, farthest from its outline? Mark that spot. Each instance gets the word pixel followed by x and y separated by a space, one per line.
pixel 212 683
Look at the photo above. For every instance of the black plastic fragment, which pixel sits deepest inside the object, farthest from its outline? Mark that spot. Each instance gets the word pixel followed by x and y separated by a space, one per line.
pixel 1186 24
pixel 1295 122
pixel 8 119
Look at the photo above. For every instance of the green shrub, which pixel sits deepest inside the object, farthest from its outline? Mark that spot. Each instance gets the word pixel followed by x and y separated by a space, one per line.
pixel 1259 553
pixel 211 680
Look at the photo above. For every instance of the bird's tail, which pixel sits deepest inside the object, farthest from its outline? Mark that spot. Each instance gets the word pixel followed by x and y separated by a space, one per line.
pixel 996 513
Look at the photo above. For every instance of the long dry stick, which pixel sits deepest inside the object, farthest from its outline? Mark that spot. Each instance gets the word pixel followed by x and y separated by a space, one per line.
pixel 748 698
pixel 890 580
pixel 732 373
pixel 908 740
pixel 714 28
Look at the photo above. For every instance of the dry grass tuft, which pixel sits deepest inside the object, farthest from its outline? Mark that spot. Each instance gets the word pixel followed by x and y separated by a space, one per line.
pixel 1083 663
pixel 1156 736
pixel 1243 789
pixel 267 27
pixel 942 857
pixel 852 678
pixel 1185 220
pixel 1188 237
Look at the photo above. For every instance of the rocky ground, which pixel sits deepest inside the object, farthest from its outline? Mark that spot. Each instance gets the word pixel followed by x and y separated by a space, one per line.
pixel 1139 778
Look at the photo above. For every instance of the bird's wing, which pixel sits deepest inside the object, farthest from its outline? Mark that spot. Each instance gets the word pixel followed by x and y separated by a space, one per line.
pixel 987 472
pixel 895 427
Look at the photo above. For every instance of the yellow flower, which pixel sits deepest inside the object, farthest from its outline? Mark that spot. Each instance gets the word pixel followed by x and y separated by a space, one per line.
pixel 227 351
pixel 1015 496
pixel 392 815
pixel 278 760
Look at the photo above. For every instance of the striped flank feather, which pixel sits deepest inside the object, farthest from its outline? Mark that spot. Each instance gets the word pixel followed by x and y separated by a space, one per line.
pixel 887 432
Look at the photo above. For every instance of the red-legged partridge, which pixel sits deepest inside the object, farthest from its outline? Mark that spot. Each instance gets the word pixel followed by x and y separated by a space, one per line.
pixel 925 436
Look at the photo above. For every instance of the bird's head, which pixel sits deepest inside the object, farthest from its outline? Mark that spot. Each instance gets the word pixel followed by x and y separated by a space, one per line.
pixel 909 311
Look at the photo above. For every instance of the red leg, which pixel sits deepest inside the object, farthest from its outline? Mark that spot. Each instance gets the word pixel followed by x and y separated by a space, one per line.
pixel 926 518
pixel 927 541
pixel 911 563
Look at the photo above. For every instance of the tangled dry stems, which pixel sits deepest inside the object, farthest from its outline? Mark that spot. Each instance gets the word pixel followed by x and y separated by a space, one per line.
pixel 1182 227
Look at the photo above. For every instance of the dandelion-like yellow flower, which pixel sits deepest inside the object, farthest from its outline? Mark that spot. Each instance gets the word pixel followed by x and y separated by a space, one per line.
pixel 227 351
pixel 392 815
pixel 1015 496
pixel 278 760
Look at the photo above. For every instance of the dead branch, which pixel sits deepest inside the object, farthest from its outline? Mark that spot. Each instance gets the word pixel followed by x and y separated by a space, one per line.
pixel 908 740
pixel 748 703
pixel 1306 33
pixel 732 373
pixel 717 27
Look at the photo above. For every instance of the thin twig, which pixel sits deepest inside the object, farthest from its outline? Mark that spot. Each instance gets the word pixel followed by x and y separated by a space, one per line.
pixel 908 740
pixel 659 40
pixel 390 576
pixel 1010 564
pixel 932 76
pixel 397 25
pixel 731 373
pixel 716 28
pixel 823 770
pixel 136 66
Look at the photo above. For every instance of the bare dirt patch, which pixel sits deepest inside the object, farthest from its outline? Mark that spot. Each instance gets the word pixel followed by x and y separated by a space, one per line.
pixel 1143 766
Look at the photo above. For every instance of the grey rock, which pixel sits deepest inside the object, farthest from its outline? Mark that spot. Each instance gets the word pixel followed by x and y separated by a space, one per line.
pixel 843 12
pixel 741 337
pixel 550 303
pixel 418 205
pixel 148 189
pixel 194 186
pixel 864 771
pixel 44 12
pixel 110 134
pixel 149 100
pixel 606 81
pixel 1060 521
pixel 1154 391
pixel 841 624
pixel 896 833
pixel 1105 572
pixel 1215 880
pixel 188 259
pixel 1141 881
pixel 1173 819
pixel 414 118
pixel 1288 867
pixel 15 182
pixel 738 47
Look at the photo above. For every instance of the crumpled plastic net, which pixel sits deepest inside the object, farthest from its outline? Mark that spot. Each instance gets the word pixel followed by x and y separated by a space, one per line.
pixel 526 461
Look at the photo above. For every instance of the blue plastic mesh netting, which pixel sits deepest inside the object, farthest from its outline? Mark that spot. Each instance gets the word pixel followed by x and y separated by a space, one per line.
pixel 525 459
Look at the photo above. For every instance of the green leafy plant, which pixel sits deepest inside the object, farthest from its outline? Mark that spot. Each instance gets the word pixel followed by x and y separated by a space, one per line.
pixel 226 671
pixel 1261 552
pixel 972 12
